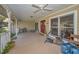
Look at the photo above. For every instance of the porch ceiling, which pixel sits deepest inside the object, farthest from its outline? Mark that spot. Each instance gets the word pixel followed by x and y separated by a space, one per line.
pixel 26 11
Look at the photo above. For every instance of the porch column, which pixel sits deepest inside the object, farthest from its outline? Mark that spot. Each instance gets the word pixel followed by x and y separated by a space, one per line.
pixel 39 26
pixel 16 27
pixel 9 23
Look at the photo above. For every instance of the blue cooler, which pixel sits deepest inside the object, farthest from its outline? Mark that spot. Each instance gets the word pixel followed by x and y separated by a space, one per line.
pixel 66 48
pixel 69 48
pixel 66 52
pixel 75 50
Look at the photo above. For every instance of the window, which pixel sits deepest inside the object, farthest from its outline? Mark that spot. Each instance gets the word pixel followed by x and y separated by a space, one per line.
pixel 54 26
pixel 67 23
pixel 63 23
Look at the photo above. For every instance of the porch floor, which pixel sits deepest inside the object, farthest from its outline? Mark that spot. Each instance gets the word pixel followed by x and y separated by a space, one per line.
pixel 33 43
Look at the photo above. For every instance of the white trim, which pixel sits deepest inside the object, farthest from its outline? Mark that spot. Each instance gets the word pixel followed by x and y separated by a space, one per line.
pixel 63 14
pixel 67 13
pixel 75 22
pixel 59 26
pixel 49 24
pixel 16 27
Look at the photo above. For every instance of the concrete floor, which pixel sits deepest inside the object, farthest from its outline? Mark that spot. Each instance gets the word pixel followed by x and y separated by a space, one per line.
pixel 33 43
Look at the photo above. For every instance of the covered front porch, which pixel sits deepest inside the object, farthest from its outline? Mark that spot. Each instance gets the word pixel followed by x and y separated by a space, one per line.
pixel 26 31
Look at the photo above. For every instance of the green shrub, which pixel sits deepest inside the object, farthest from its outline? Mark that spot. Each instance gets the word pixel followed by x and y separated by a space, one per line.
pixel 8 47
pixel 0 50
pixel 2 17
pixel 13 34
pixel 2 30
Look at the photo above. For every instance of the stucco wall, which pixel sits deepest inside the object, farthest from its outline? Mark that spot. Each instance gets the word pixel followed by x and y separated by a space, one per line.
pixel 30 25
pixel 78 22
pixel 66 10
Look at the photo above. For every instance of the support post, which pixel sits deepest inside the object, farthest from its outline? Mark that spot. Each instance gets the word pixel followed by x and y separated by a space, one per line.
pixel 9 24
pixel 16 28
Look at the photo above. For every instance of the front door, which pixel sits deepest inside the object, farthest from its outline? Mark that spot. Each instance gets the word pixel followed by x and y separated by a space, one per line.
pixel 42 26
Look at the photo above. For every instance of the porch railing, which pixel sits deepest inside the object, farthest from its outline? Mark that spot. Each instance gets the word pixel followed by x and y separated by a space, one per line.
pixel 4 39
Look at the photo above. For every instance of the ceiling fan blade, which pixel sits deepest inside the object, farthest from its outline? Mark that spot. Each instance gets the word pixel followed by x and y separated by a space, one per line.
pixel 36 11
pixel 47 10
pixel 45 6
pixel 33 5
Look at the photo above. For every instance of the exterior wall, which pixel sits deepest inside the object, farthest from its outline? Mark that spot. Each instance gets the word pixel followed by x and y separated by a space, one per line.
pixel 69 9
pixel 78 22
pixel 30 25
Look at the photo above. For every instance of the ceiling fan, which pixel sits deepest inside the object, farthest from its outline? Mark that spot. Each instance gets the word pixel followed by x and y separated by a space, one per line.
pixel 40 7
